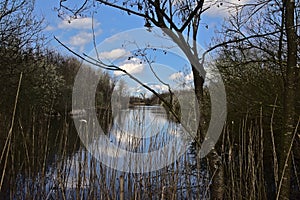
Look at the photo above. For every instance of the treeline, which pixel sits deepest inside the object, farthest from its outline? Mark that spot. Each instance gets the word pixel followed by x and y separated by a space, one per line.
pixel 47 75
pixel 47 81
pixel 30 138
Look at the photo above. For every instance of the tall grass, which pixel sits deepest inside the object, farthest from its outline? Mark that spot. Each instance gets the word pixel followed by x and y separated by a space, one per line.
pixel 46 161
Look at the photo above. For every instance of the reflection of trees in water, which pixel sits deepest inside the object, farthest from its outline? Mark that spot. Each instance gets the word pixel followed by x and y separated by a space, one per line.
pixel 35 149
pixel 90 178
pixel 46 161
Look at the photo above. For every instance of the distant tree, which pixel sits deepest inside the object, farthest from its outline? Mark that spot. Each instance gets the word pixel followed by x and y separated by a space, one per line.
pixel 21 51
pixel 67 68
pixel 18 25
pixel 175 17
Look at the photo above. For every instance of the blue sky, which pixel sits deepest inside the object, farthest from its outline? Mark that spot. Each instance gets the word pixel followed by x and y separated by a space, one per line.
pixel 109 22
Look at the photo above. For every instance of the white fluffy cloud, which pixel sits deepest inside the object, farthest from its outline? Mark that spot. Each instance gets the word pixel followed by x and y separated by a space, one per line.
pixel 182 79
pixel 176 76
pixel 50 28
pixel 81 39
pixel 132 66
pixel 114 54
pixel 80 23
pixel 189 77
pixel 137 90
pixel 220 8
pixel 80 30
pixel 160 88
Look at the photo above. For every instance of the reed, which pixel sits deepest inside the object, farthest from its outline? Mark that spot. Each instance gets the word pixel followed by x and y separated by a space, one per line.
pixel 47 161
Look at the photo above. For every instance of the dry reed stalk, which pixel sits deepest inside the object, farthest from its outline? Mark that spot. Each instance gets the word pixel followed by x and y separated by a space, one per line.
pixel 79 176
pixel 175 181
pixel 61 176
pixel 121 187
pixel 295 170
pixel 287 159
pixel 8 139
pixel 231 166
pixel 25 142
pixel 163 193
pixel 262 189
pixel 46 146
pixel 275 164
pixel 32 141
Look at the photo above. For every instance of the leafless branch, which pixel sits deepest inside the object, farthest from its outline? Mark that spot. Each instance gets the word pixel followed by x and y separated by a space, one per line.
pixel 129 11
pixel 191 15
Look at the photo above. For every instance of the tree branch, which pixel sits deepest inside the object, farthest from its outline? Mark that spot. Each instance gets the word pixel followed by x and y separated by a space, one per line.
pixel 191 15
pixel 124 9
pixel 161 12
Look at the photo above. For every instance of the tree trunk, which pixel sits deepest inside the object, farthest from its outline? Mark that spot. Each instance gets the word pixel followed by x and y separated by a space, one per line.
pixel 289 102
pixel 217 175
pixel 215 164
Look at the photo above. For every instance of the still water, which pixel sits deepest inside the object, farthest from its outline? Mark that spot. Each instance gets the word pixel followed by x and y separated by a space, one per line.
pixel 60 165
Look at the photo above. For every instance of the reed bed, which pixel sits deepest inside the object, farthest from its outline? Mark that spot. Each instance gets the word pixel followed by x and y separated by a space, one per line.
pixel 46 160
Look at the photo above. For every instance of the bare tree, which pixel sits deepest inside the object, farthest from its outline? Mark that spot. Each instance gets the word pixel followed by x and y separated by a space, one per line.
pixel 175 18
pixel 268 40
pixel 289 100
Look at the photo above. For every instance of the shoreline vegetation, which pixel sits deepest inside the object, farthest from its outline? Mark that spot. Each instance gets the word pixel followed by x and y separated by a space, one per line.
pixel 41 160
pixel 42 156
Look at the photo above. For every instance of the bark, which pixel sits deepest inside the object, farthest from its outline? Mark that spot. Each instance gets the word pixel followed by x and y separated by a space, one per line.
pixel 217 175
pixel 215 164
pixel 289 101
